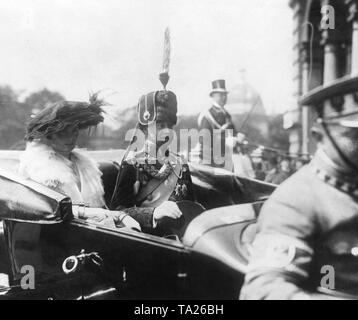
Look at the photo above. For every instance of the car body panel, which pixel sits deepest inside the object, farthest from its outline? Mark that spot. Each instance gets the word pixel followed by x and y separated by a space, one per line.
pixel 137 265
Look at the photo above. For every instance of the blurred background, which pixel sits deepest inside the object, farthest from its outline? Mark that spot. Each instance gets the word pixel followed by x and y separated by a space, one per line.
pixel 61 49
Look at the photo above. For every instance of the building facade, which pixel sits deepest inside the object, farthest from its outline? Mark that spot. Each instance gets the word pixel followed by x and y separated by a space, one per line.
pixel 325 46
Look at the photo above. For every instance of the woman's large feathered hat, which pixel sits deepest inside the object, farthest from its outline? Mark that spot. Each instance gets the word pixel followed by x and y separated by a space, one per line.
pixel 59 115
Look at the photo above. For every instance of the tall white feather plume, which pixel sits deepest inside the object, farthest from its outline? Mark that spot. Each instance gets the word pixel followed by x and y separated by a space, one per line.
pixel 164 76
pixel 166 52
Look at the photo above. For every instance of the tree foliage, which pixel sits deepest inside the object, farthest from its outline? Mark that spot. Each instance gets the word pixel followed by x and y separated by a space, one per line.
pixel 40 99
pixel 14 114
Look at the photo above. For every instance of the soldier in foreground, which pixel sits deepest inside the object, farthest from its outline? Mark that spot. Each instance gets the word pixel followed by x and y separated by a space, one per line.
pixel 307 241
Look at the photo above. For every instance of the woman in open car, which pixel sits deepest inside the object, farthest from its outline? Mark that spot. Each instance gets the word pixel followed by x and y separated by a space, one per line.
pixel 51 160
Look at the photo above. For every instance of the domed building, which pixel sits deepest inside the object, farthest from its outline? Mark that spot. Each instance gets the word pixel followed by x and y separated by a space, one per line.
pixel 243 98
pixel 246 107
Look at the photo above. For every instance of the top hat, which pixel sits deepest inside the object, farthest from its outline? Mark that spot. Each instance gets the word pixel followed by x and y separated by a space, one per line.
pixel 218 86
pixel 336 102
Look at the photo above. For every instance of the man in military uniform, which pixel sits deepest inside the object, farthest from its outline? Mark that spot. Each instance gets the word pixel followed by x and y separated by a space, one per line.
pixel 307 241
pixel 150 182
pixel 215 117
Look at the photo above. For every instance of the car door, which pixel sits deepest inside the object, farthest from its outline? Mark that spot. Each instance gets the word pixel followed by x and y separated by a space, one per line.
pixel 134 265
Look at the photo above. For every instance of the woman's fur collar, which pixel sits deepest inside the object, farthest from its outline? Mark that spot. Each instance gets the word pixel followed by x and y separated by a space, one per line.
pixel 39 162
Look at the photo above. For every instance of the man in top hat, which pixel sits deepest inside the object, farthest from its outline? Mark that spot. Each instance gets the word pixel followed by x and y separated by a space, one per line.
pixel 215 117
pixel 307 241
pixel 152 179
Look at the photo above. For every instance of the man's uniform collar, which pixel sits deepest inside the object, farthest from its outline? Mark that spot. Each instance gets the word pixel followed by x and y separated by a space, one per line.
pixel 327 171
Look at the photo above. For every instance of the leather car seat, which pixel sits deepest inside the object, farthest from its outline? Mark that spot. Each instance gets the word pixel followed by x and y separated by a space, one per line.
pixel 110 171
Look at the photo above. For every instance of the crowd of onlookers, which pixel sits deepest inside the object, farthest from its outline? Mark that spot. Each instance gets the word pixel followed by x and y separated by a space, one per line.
pixel 272 168
pixel 276 169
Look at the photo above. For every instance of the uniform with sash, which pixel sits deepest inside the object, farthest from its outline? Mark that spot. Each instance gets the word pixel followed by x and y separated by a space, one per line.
pixel 141 187
pixel 215 117
pixel 144 182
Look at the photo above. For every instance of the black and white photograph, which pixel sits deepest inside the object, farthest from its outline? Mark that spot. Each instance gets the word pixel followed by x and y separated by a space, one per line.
pixel 177 154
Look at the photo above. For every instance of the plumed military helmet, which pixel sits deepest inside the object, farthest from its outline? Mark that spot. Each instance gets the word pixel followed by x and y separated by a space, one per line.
pixel 158 106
